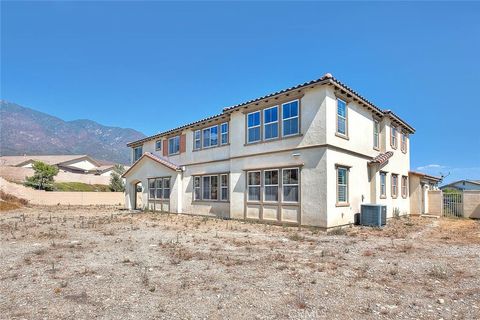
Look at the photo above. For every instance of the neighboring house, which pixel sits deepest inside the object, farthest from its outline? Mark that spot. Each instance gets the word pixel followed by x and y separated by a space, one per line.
pixel 309 155
pixel 463 185
pixel 66 163
pixel 420 183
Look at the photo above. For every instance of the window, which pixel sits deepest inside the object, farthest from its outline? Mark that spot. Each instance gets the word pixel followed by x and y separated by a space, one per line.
pixel 253 125
pixel 290 118
pixel 290 185
pixel 393 137
pixel 210 137
pixel 342 185
pixel 159 188
pixel 376 134
pixel 394 185
pixel 137 153
pixel 271 185
pixel 270 123
pixel 404 142
pixel 197 195
pixel 174 145
pixel 383 184
pixel 158 145
pixel 207 187
pixel 224 133
pixel 341 117
pixel 404 186
pixel 253 186
pixel 197 140
pixel 224 187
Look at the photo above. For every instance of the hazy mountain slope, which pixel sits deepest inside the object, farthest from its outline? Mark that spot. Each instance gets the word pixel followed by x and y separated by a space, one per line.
pixel 27 131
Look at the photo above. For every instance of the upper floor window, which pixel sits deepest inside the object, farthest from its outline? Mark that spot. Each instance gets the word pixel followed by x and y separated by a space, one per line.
pixel 383 184
pixel 253 127
pixel 394 185
pixel 270 123
pixel 341 117
pixel 404 142
pixel 174 145
pixel 404 186
pixel 376 134
pixel 197 139
pixel 137 153
pixel 210 137
pixel 224 133
pixel 290 118
pixel 158 145
pixel 342 185
pixel 393 137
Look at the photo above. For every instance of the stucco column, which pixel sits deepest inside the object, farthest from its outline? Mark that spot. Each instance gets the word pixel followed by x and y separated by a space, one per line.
pixel 372 177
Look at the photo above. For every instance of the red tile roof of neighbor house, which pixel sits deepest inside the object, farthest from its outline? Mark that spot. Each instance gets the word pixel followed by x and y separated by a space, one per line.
pixel 325 79
pixel 381 158
pixel 157 159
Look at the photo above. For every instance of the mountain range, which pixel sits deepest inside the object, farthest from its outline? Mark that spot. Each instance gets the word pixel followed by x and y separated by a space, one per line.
pixel 27 131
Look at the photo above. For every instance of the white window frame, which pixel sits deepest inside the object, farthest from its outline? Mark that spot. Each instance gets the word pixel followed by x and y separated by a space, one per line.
pixel 171 139
pixel 223 187
pixel 157 147
pixel 403 142
pixel 210 145
pixel 394 182
pixel 265 185
pixel 259 186
pixel 254 127
pixel 290 185
pixel 199 187
pixel 344 118
pixel 393 137
pixel 222 134
pixel 197 139
pixel 404 186
pixel 294 117
pixel 271 123
pixel 383 184
pixel 376 134
pixel 347 178
pixel 135 153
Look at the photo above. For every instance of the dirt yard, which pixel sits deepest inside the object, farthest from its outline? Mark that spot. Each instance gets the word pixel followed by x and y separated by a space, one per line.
pixel 85 263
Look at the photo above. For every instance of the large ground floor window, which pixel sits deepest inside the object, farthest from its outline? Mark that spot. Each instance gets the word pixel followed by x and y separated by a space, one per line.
pixel 211 187
pixel 273 185
pixel 159 188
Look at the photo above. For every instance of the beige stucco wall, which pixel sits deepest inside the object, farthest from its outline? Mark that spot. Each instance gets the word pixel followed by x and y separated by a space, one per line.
pixel 40 197
pixel 471 204
pixel 435 202
pixel 416 194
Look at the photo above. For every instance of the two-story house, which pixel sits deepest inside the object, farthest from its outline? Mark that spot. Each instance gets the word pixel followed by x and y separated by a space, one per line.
pixel 310 155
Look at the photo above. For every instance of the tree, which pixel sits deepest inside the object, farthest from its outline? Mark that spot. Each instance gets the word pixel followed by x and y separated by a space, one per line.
pixel 116 180
pixel 42 178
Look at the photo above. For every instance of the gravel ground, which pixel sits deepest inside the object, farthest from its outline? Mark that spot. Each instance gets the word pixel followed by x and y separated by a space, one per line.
pixel 84 263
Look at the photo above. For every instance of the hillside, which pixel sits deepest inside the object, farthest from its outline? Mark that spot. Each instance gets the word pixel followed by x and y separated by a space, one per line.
pixel 27 131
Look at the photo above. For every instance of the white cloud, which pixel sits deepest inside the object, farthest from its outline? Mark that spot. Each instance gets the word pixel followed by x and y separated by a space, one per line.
pixel 431 167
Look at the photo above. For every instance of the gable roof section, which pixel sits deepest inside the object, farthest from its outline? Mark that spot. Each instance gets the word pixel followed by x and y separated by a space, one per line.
pixel 475 182
pixel 427 176
pixel 155 158
pixel 325 79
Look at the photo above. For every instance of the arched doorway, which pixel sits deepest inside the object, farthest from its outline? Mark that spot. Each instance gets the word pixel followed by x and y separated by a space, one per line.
pixel 138 196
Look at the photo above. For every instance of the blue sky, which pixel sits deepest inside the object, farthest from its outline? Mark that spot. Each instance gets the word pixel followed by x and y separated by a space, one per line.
pixel 153 65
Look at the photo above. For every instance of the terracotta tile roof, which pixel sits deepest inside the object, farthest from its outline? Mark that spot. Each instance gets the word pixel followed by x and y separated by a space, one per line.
pixel 381 158
pixel 325 79
pixel 157 159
